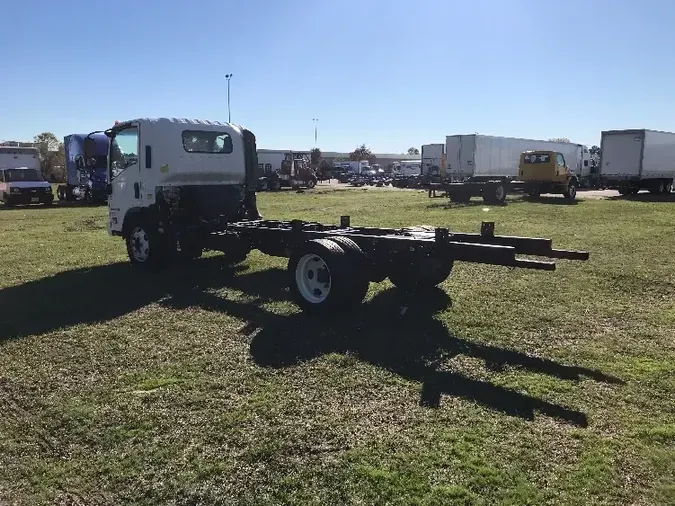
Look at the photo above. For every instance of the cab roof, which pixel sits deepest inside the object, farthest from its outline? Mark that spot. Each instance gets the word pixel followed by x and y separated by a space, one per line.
pixel 182 122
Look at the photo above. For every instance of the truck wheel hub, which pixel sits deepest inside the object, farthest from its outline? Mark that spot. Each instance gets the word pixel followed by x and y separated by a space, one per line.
pixel 312 277
pixel 140 244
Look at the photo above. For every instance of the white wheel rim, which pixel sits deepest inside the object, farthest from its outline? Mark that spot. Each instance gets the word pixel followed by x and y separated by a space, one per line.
pixel 499 192
pixel 312 277
pixel 140 244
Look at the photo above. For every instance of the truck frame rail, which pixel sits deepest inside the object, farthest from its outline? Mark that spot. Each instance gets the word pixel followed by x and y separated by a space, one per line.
pixel 331 266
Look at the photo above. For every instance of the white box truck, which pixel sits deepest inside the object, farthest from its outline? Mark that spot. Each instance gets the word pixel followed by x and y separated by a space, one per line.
pixel 486 157
pixel 633 160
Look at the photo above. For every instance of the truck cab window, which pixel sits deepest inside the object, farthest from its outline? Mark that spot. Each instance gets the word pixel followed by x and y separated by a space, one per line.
pixel 123 151
pixel 560 160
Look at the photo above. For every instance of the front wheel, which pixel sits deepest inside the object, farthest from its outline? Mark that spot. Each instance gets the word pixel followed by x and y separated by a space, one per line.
pixel 311 183
pixel 143 245
pixel 571 191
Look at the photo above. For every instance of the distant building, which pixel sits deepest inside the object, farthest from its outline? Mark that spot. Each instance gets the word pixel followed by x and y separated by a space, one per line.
pixel 18 144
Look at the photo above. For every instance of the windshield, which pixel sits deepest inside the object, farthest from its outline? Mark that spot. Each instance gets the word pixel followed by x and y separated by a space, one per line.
pixel 123 151
pixel 14 175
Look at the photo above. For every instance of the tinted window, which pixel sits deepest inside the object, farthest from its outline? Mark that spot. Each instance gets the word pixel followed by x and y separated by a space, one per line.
pixel 202 141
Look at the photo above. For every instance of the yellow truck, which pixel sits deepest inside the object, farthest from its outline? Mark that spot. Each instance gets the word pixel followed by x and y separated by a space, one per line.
pixel 538 172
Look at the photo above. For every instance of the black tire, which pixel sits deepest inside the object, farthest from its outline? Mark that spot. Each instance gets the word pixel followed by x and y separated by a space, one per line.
pixel 274 185
pixel 494 194
pixel 669 188
pixel 144 245
pixel 571 191
pixel 624 190
pixel 320 277
pixel 311 183
pixel 359 275
pixel 421 275
pixel 658 188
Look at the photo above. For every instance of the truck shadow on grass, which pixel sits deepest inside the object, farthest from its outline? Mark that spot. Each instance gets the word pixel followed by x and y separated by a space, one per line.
pixel 415 346
pixel 102 293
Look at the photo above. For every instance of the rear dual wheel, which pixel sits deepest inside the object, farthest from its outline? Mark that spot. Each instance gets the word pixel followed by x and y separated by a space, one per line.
pixel 328 274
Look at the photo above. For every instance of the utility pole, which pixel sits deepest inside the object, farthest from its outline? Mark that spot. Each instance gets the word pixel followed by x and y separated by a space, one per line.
pixel 229 113
pixel 315 120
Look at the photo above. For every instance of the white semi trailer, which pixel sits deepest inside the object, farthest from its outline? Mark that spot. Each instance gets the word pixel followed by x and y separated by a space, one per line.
pixel 634 160
pixel 476 157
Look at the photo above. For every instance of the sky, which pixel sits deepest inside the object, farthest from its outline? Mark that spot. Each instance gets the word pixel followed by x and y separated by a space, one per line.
pixel 390 74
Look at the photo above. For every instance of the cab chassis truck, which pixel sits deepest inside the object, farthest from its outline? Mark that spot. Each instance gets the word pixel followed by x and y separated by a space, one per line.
pixel 171 200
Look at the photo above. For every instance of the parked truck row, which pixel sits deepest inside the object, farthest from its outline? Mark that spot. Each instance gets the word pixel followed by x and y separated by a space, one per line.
pixel 464 166
pixel 491 167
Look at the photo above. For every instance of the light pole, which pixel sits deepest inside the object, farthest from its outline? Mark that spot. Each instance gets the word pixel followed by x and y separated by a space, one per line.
pixel 229 114
pixel 315 120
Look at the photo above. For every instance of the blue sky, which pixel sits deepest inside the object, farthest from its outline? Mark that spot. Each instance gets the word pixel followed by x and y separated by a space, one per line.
pixel 391 74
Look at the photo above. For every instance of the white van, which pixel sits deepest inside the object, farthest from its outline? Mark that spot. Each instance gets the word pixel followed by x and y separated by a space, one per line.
pixel 23 185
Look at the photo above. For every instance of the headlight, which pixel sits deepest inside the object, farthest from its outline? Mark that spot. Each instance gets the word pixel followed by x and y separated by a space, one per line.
pixel 48 189
pixel 13 189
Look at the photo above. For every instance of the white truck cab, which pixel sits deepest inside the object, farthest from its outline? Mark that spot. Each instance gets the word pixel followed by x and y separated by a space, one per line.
pixel 21 180
pixel 170 178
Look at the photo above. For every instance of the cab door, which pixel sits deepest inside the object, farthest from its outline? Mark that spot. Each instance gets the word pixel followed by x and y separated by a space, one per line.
pixel 125 177
pixel 561 167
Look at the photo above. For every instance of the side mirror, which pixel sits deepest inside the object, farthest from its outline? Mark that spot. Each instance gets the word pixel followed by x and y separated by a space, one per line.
pixel 79 163
pixel 89 148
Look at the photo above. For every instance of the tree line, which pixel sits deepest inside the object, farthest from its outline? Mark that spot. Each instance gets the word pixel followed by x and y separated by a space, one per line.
pixel 52 155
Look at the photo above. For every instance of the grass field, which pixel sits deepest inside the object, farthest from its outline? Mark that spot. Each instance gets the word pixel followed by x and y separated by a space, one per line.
pixel 206 386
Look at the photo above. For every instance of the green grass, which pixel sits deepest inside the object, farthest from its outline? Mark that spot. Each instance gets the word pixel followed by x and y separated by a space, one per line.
pixel 205 385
